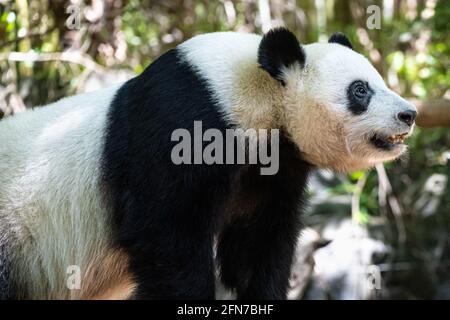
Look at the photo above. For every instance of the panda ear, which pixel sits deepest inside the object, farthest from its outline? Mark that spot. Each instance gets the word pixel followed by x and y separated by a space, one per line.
pixel 340 38
pixel 279 49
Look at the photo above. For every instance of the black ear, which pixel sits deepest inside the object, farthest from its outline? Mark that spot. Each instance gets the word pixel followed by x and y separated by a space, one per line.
pixel 340 38
pixel 279 48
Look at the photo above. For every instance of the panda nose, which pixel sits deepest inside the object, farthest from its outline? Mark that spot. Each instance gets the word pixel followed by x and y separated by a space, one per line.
pixel 407 116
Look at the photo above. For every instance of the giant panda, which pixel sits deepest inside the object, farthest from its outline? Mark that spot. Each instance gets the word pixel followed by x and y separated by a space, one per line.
pixel 88 181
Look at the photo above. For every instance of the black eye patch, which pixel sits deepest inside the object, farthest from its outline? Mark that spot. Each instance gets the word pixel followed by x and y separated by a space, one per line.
pixel 358 95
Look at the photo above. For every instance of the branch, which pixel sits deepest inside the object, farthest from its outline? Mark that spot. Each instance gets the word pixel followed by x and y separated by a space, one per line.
pixel 386 196
pixel 433 113
pixel 67 56
pixel 356 198
pixel 27 37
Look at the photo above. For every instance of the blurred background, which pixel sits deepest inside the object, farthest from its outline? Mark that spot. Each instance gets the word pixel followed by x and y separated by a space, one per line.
pixel 380 234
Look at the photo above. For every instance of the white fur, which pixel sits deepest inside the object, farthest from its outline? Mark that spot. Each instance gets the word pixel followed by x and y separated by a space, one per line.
pixel 50 204
pixel 217 57
pixel 343 137
pixel 313 105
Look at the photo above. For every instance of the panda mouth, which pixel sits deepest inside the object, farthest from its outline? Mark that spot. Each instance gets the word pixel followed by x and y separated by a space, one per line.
pixel 388 142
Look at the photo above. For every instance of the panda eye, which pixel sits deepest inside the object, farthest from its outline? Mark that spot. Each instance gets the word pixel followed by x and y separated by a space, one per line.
pixel 359 94
pixel 360 90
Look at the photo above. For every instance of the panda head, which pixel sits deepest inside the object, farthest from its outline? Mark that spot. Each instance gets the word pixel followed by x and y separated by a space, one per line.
pixel 336 106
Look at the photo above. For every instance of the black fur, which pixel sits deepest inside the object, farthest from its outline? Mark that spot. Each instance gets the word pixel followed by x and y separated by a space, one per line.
pixel 6 285
pixel 279 48
pixel 167 215
pixel 164 212
pixel 257 242
pixel 357 103
pixel 340 38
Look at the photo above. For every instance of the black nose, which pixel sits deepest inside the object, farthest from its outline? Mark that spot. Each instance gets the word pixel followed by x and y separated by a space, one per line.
pixel 407 117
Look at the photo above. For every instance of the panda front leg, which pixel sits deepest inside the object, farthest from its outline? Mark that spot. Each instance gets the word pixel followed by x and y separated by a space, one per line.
pixel 171 255
pixel 256 247
pixel 185 272
pixel 255 257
